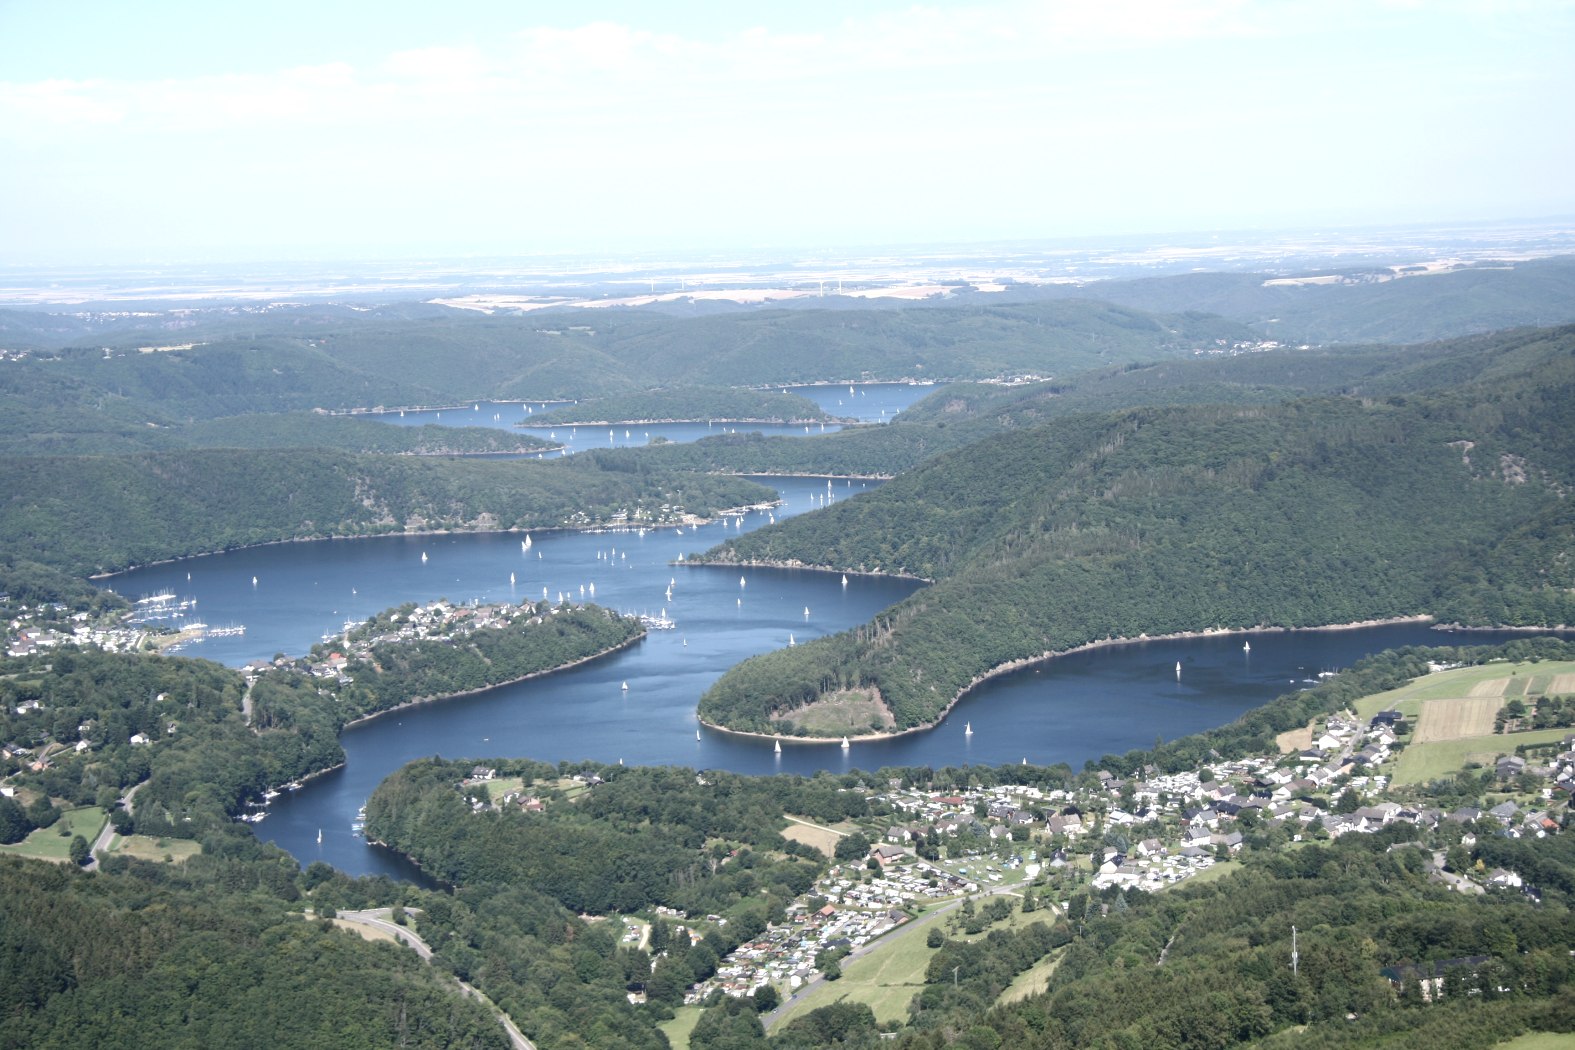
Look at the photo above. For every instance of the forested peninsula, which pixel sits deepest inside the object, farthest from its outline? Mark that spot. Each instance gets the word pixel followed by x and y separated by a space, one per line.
pixel 688 405
pixel 95 514
pixel 1169 520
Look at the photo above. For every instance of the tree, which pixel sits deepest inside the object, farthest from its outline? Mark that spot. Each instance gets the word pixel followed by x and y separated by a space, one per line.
pixel 766 998
pixel 80 854
pixel 935 938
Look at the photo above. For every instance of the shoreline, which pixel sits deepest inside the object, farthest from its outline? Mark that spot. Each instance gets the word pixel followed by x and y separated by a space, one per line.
pixel 742 421
pixel 687 519
pixel 424 700
pixel 1042 658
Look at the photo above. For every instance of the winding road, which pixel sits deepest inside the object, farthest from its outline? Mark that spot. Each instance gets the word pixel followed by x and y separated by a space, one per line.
pixel 379 919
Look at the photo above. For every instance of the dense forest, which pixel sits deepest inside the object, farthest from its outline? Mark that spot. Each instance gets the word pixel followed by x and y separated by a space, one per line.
pixel 962 413
pixel 1166 520
pixel 98 514
pixel 337 362
pixel 213 952
pixel 689 404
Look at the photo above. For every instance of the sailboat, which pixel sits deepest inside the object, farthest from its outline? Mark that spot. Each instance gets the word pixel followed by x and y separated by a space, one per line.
pixel 319 836
pixel 967 729
pixel 845 744
pixel 1246 647
pixel 844 579
pixel 626 687
pixel 740 582
pixel 777 747
pixel 791 642
pixel 423 556
pixel 1178 668
pixel 511 579
pixel 697 734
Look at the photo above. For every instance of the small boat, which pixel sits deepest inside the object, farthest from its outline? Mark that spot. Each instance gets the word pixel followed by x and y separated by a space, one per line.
pixel 741 582
pixel 626 687
pixel 697 734
pixel 254 581
pixel 1178 668
pixel 844 580
pixel 791 642
pixel 806 612
pixel 319 836
pixel 777 747
pixel 967 729
pixel 423 556
pixel 1246 647
pixel 845 744
pixel 511 579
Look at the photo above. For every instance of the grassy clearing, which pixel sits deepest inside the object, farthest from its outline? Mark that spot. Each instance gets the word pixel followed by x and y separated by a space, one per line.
pixel 850 712
pixel 1219 870
pixel 500 786
pixel 1031 981
pixel 147 847
pixel 1420 763
pixel 820 836
pixel 682 1024
pixel 49 844
pixel 370 933
pixel 1293 740
pixel 1539 1041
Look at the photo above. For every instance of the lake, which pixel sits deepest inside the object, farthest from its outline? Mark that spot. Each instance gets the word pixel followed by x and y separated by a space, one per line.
pixel 866 402
pixel 1073 709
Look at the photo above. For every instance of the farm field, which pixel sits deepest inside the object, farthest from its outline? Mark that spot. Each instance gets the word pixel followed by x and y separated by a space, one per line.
pixel 148 847
pixel 1494 680
pixel 1420 763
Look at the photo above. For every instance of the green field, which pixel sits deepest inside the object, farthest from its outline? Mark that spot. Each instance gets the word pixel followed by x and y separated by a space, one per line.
pixel 49 844
pixel 1458 682
pixel 1539 1041
pixel 147 847
pixel 677 1030
pixel 1420 763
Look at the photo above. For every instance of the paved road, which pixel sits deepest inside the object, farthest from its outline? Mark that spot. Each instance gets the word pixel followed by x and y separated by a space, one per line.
pixel 101 843
pixel 378 919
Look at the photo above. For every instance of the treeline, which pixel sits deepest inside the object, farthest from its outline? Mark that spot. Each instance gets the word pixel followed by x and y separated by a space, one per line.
pixel 291 362
pixel 688 404
pixel 95 514
pixel 1210 965
pixel 637 838
pixel 541 639
pixel 962 413
pixel 213 953
pixel 1168 520
pixel 29 428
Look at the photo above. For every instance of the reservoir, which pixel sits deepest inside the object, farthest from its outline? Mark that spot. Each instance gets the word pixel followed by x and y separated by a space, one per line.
pixel 865 402
pixel 1073 709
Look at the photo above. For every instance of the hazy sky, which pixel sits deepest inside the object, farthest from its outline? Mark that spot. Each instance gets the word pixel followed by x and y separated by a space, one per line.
pixel 168 129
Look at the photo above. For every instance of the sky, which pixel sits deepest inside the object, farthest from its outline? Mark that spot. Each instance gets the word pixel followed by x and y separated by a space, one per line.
pixel 192 131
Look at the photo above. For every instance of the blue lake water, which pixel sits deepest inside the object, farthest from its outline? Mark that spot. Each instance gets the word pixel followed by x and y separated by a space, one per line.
pixel 866 402
pixel 1073 709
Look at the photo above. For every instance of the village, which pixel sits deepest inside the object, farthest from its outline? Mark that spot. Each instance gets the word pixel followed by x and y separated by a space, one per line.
pixel 934 850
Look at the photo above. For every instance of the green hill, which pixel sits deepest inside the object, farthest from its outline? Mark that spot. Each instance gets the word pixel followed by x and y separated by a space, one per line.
pixel 101 513
pixel 1163 520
